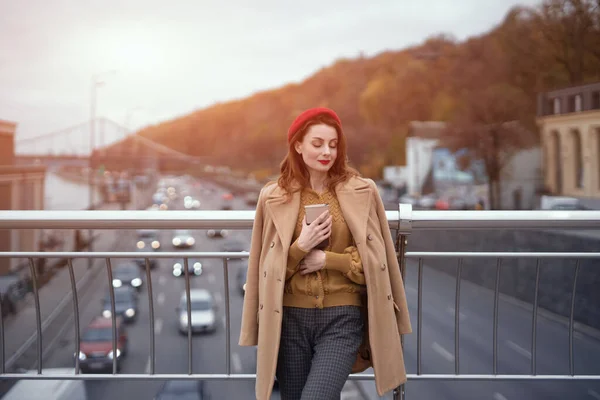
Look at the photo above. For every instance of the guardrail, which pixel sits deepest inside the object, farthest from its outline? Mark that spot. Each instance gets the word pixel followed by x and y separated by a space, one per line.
pixel 403 222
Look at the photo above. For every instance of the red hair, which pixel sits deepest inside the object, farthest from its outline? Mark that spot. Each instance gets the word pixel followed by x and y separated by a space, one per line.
pixel 294 174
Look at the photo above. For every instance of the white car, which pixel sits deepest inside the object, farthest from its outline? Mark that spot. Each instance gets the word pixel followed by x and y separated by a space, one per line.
pixel 202 312
pixel 183 238
pixel 194 268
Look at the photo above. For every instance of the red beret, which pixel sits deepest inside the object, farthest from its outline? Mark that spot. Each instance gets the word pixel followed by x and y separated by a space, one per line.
pixel 307 116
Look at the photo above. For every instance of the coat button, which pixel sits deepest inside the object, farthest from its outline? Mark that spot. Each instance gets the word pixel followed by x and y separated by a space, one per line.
pixel 389 297
pixel 383 267
pixel 265 274
pixel 369 237
pixel 272 244
pixel 261 306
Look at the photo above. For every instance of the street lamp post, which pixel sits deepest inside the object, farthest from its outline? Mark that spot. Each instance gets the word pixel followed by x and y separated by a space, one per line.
pixel 91 174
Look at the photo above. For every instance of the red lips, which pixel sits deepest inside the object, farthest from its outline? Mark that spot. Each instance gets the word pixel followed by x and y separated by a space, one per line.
pixel 324 162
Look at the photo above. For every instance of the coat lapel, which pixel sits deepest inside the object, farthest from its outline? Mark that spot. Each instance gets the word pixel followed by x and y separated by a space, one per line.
pixel 354 197
pixel 284 215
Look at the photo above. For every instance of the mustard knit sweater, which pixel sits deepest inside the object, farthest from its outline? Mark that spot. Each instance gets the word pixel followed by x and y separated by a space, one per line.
pixel 342 280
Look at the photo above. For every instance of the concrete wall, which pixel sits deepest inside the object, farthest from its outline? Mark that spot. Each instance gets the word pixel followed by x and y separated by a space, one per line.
pixel 517 278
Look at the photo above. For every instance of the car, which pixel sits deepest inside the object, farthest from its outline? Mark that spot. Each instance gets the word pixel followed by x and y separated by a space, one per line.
pixel 147 241
pixel 183 238
pixel 96 345
pixel 126 304
pixel 202 309
pixel 180 389
pixel 127 274
pixel 214 233
pixel 194 268
pixel 227 201
pixel 148 238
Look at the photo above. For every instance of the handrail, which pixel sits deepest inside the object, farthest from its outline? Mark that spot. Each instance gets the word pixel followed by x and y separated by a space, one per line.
pixel 221 219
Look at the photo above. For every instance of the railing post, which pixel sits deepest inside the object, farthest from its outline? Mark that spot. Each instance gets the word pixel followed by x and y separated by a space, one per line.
pixel 404 229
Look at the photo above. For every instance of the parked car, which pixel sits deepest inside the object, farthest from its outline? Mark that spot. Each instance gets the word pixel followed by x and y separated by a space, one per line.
pixel 194 268
pixel 188 390
pixel 202 309
pixel 127 274
pixel 126 304
pixel 96 348
pixel 183 238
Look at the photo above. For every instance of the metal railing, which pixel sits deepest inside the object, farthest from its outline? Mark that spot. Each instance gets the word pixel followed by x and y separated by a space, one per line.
pixel 402 222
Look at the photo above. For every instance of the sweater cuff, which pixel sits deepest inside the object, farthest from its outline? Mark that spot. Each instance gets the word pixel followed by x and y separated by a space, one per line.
pixel 296 253
pixel 338 261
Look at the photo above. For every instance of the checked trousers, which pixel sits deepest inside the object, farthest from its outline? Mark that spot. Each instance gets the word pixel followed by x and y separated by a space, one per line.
pixel 317 350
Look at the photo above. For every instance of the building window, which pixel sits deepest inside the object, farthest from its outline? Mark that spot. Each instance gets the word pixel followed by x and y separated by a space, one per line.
pixel 577 159
pixel 557 171
pixel 556 106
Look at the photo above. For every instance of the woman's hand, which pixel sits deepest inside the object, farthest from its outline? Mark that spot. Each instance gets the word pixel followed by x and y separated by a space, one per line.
pixel 313 234
pixel 312 262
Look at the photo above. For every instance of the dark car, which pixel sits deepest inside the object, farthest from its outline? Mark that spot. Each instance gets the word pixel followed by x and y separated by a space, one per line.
pixel 182 390
pixel 96 348
pixel 125 304
pixel 147 241
pixel 127 274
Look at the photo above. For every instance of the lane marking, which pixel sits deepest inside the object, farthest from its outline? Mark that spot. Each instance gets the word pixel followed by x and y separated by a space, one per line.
pixel 147 369
pixel 162 280
pixel 438 348
pixel 211 279
pixel 498 396
pixel 160 299
pixel 461 316
pixel 411 289
pixel 218 298
pixel 158 325
pixel 237 362
pixel 525 353
pixel 224 321
pixel 594 394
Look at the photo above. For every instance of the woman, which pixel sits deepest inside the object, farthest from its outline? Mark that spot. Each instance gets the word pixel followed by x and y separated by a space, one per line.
pixel 306 309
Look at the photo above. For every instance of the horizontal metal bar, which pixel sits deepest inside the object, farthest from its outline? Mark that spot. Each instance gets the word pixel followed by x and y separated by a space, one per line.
pixel 244 254
pixel 123 254
pixel 354 377
pixel 466 254
pixel 243 219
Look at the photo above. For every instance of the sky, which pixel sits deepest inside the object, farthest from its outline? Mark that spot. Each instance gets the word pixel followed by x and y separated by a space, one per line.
pixel 157 60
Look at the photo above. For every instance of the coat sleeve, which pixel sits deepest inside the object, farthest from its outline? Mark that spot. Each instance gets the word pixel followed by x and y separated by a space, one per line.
pixel 397 283
pixel 249 326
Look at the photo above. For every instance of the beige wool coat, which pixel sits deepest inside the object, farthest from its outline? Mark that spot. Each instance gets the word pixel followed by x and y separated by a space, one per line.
pixel 386 306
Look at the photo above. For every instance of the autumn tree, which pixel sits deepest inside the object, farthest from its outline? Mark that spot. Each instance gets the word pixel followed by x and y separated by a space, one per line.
pixel 492 124
pixel 570 30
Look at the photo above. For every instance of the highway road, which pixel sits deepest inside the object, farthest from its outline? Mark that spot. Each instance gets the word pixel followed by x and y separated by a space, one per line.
pixel 476 322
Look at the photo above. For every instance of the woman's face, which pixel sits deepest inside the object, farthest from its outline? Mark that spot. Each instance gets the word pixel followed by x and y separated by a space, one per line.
pixel 318 148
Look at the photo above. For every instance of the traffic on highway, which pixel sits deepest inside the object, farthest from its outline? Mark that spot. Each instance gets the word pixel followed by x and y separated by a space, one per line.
pixel 207 324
